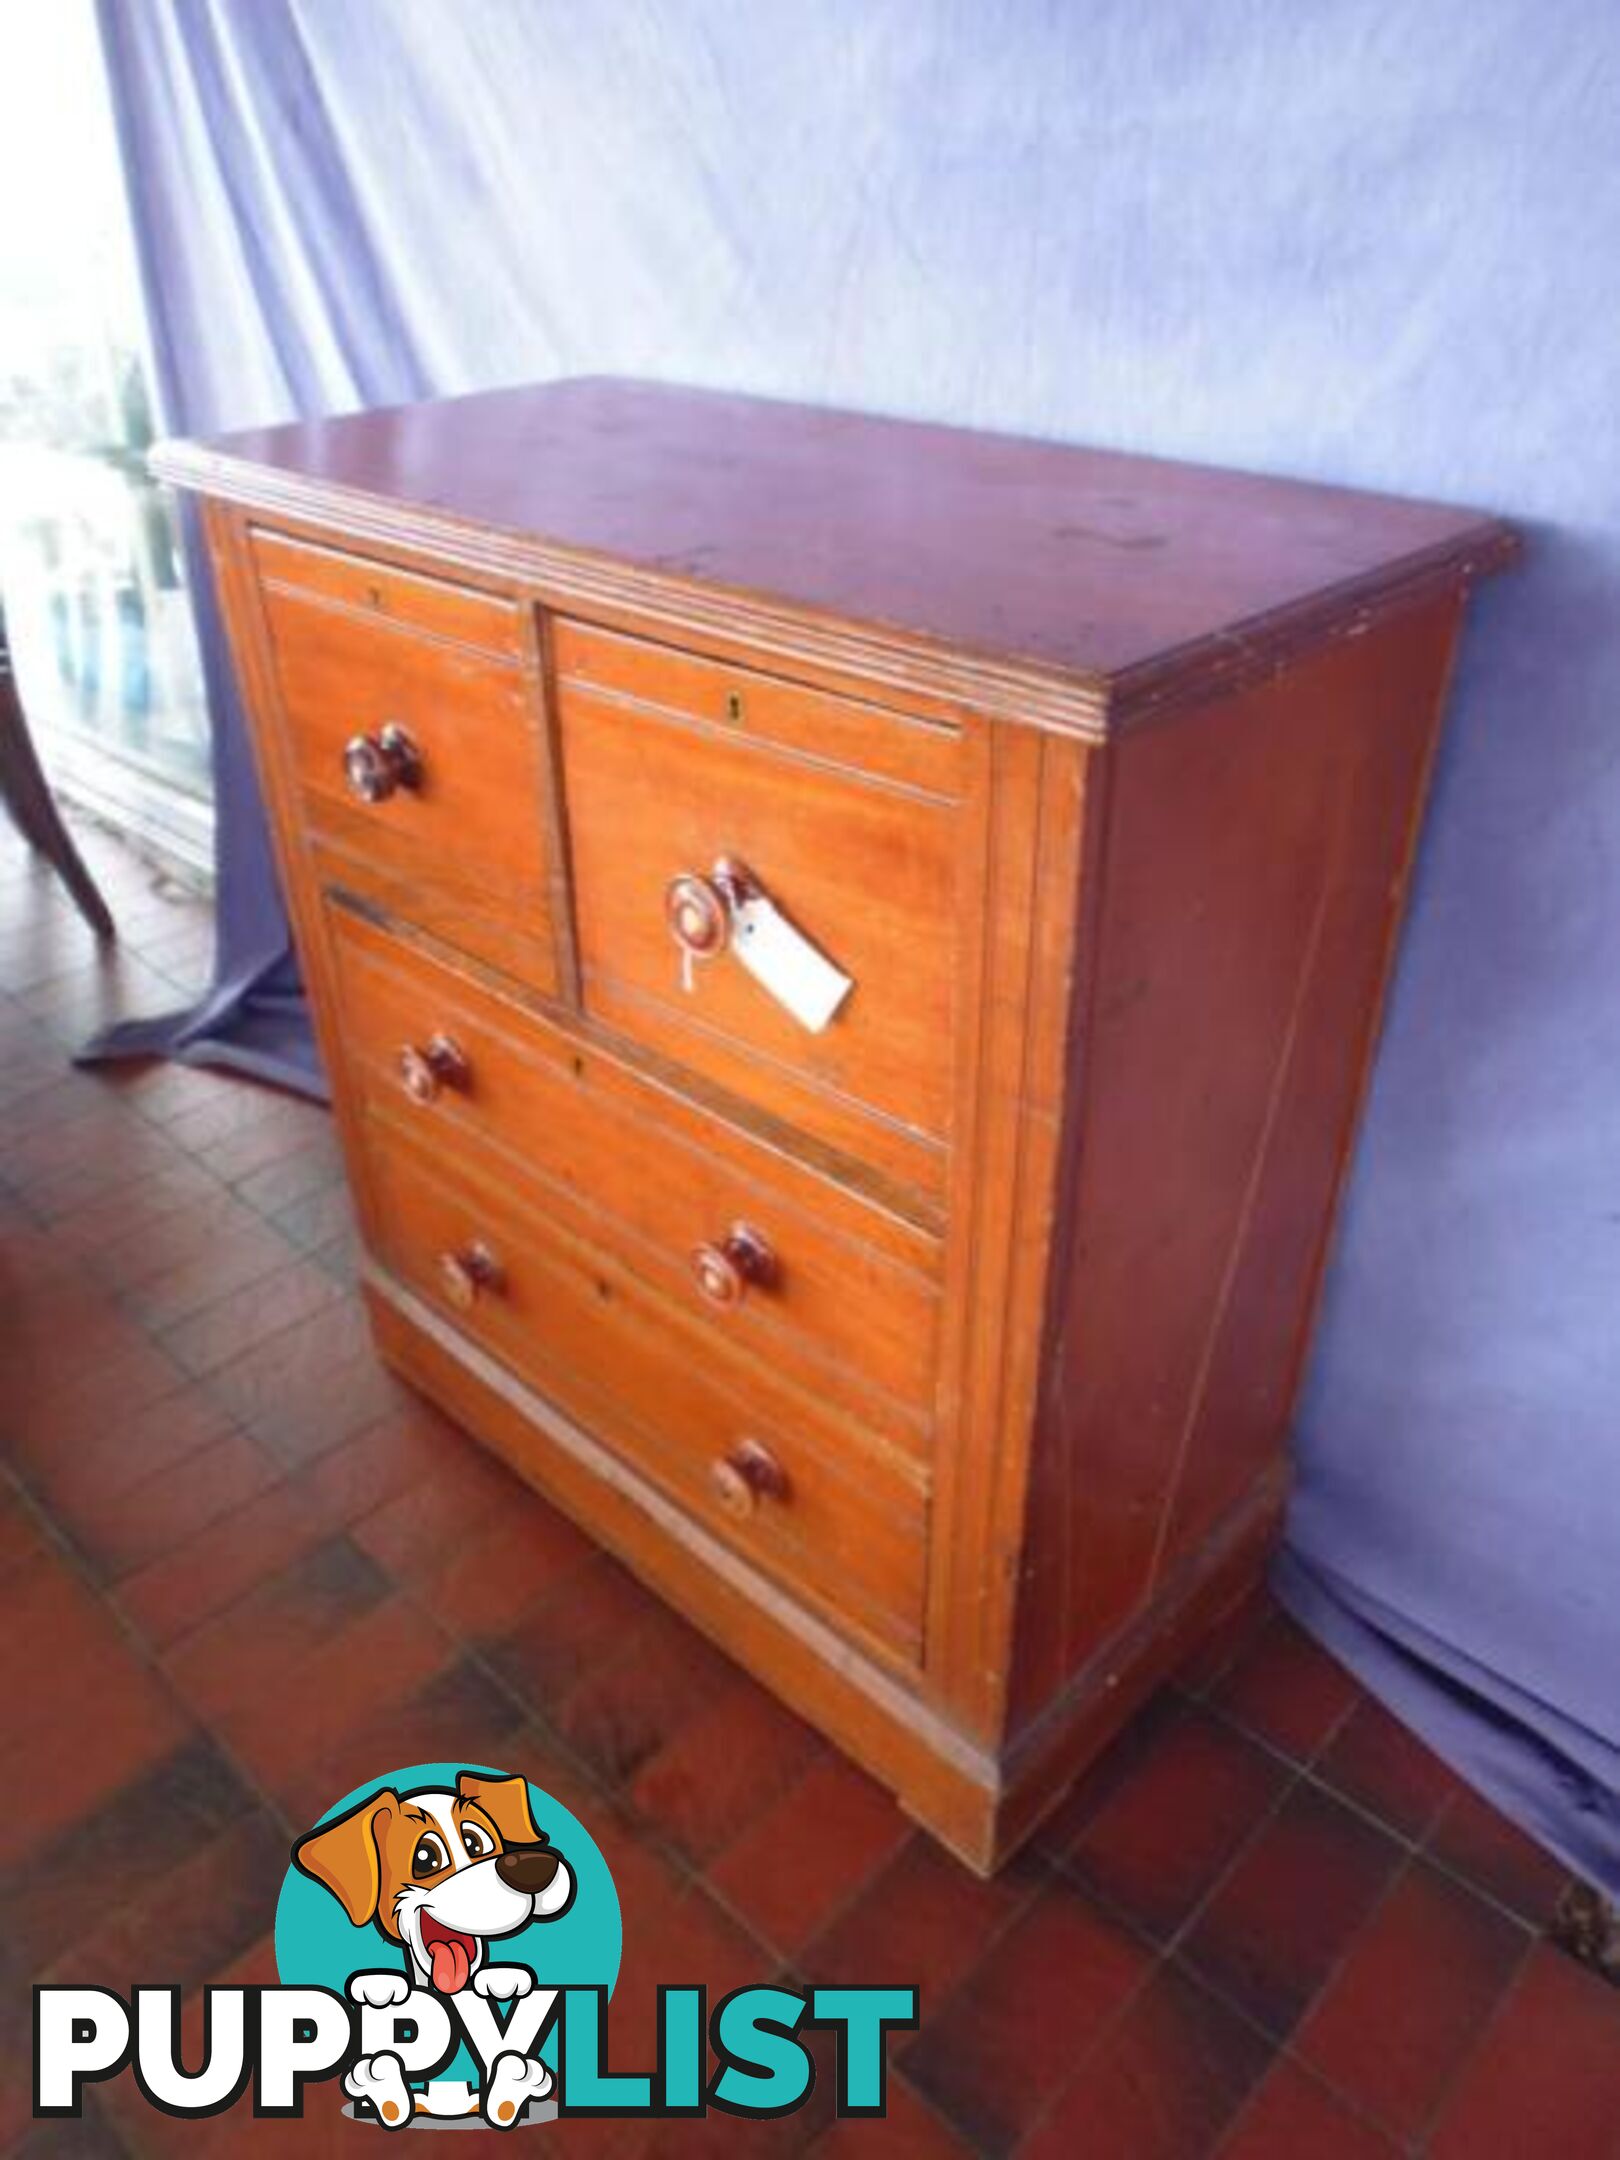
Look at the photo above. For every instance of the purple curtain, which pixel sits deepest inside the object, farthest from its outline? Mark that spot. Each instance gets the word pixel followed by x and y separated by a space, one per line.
pixel 1363 241
pixel 253 315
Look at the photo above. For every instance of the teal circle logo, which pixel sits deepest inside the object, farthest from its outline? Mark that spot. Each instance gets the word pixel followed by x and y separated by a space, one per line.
pixel 425 1872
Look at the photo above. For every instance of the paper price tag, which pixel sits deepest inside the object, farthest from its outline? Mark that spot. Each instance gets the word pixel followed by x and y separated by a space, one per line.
pixel 783 961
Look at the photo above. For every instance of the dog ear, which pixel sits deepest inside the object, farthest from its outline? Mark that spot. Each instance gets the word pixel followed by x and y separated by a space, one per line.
pixel 346 1857
pixel 506 1802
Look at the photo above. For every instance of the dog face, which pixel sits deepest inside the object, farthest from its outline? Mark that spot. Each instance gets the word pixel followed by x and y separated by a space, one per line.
pixel 441 1873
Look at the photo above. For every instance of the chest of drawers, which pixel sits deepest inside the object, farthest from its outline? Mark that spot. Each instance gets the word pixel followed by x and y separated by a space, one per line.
pixel 937 1358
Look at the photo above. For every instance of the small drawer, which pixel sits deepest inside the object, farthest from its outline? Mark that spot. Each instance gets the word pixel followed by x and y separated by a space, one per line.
pixel 838 1520
pixel 663 801
pixel 757 707
pixel 420 762
pixel 383 593
pixel 773 1257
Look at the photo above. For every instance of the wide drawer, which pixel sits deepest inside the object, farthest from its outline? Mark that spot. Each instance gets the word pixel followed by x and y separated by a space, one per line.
pixel 865 861
pixel 773 1257
pixel 442 815
pixel 839 1520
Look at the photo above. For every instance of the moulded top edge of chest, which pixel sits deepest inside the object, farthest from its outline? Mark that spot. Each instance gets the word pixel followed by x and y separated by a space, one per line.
pixel 1070 588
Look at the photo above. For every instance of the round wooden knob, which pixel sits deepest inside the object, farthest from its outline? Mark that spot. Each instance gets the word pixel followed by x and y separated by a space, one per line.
pixel 698 918
pixel 745 1476
pixel 439 1063
pixel 466 1272
pixel 376 766
pixel 723 1272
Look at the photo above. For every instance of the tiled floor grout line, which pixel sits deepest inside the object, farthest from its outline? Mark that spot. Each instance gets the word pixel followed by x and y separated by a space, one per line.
pixel 1352 2106
pixel 148 1657
pixel 1413 1851
pixel 1044 1875
pixel 133 1100
pixel 1168 1950
pixel 972 2145
pixel 1171 1946
pixel 1165 1951
pixel 839 1909
pixel 1310 1773
pixel 1287 2048
pixel 53 1533
pixel 1482 2037
pixel 83 1560
pixel 691 1871
pixel 1093 2048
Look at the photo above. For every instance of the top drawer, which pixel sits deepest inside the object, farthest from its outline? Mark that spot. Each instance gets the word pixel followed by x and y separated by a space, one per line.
pixel 414 732
pixel 391 595
pixel 849 819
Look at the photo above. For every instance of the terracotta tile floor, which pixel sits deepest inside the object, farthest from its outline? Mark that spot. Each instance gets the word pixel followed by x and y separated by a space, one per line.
pixel 240 1570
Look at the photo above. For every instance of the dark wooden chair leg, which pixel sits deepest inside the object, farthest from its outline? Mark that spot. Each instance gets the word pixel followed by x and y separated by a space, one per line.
pixel 28 797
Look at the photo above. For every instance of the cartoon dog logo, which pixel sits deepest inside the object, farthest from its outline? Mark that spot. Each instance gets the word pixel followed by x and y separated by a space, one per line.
pixel 442 1874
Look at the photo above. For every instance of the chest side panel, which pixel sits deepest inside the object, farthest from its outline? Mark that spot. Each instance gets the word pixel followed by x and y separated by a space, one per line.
pixel 1253 875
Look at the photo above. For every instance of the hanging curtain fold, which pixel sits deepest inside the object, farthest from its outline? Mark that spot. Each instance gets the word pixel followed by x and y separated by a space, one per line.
pixel 265 301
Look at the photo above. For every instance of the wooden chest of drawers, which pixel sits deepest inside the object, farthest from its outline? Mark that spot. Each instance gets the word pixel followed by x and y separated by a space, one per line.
pixel 938 1358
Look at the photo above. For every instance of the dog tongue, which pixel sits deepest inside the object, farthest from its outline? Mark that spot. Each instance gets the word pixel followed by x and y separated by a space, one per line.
pixel 451 1965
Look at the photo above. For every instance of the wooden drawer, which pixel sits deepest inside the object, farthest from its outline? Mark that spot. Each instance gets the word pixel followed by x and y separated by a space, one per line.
pixel 865 862
pixel 850 1301
pixel 385 593
pixel 849 731
pixel 460 844
pixel 847 1529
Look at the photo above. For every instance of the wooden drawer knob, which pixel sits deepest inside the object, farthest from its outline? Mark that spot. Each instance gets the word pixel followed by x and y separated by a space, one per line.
pixel 439 1063
pixel 468 1271
pixel 723 1272
pixel 375 766
pixel 749 1474
pixel 698 917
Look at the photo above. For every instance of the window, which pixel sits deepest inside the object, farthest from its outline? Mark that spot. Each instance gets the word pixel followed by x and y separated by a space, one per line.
pixel 90 572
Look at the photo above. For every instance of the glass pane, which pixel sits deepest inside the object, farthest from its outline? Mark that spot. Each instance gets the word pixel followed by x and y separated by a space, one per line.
pixel 90 573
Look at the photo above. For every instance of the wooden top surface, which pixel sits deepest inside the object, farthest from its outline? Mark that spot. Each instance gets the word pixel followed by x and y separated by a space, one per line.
pixel 1107 573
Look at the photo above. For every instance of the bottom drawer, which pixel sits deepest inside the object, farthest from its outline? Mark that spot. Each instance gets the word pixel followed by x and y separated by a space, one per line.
pixel 810 1501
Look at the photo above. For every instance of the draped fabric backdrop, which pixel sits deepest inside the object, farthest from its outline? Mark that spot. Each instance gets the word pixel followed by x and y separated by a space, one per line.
pixel 1360 240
